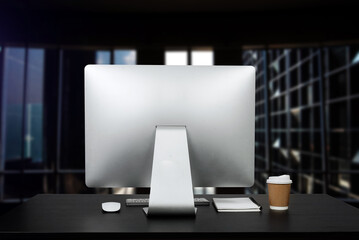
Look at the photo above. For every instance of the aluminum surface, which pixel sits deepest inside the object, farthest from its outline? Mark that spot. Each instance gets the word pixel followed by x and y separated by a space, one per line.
pixel 124 104
pixel 171 181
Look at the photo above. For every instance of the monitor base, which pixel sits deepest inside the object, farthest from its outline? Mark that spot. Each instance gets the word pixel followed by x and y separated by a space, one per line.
pixel 145 210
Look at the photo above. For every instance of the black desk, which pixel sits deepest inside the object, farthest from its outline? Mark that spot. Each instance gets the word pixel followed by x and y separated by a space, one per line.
pixel 80 216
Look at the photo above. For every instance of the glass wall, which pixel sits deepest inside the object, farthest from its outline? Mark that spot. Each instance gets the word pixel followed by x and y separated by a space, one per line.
pixel 42 118
pixel 306 116
pixel 341 90
pixel 309 120
pixel 258 59
pixel 24 127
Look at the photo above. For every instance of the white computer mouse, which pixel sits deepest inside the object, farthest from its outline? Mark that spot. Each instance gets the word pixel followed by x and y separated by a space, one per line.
pixel 111 206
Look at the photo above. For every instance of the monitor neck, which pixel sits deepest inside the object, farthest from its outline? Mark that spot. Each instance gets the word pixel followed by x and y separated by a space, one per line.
pixel 171 181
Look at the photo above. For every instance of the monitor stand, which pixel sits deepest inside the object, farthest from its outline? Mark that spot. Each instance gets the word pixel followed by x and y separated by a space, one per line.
pixel 171 181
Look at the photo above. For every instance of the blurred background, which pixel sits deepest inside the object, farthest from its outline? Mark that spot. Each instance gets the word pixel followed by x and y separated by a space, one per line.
pixel 306 54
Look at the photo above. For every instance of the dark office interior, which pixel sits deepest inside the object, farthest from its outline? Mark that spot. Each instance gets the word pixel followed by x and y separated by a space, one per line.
pixel 306 55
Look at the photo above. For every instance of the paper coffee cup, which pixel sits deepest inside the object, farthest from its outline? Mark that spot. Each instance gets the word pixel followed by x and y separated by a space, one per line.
pixel 278 192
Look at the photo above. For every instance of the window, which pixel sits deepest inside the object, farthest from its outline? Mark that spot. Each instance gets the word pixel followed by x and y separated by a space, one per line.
pixel 202 56
pixel 125 56
pixel 23 90
pixel 306 116
pixel 120 56
pixel 42 118
pixel 196 56
pixel 257 58
pixel 311 121
pixel 176 57
pixel 23 147
pixel 33 147
pixel 103 57
pixel 12 105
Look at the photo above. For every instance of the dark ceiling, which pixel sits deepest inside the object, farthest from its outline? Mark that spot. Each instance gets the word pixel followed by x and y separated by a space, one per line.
pixel 117 6
pixel 177 22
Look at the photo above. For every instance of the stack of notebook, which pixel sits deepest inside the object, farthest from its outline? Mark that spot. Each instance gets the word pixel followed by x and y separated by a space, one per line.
pixel 236 205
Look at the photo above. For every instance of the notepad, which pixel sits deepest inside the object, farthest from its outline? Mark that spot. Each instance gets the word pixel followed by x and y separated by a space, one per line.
pixel 236 205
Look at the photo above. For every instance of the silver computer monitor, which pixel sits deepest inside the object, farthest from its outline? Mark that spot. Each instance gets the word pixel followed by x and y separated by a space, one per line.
pixel 125 106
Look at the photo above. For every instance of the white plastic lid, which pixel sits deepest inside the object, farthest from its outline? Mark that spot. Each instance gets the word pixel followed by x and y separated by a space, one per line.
pixel 283 179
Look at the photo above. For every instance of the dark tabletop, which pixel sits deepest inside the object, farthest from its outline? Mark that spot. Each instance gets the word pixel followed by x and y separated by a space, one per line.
pixel 83 214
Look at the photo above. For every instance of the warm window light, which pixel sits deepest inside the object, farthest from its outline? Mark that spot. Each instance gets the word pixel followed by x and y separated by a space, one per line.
pixel 202 57
pixel 176 58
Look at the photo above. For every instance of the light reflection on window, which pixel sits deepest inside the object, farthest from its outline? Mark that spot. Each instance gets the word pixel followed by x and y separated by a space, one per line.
pixel 125 57
pixel 103 57
pixel 34 106
pixel 14 143
pixel 356 59
pixel 13 85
